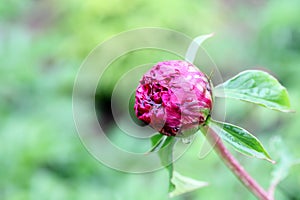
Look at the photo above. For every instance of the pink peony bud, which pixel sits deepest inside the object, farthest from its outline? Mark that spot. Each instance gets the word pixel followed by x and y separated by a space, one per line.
pixel 174 98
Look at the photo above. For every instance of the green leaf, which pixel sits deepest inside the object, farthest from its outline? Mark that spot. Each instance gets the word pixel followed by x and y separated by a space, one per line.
pixel 163 145
pixel 184 184
pixel 256 87
pixel 158 141
pixel 178 184
pixel 240 139
pixel 194 46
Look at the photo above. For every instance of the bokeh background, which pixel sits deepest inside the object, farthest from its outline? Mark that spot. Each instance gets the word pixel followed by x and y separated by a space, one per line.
pixel 42 45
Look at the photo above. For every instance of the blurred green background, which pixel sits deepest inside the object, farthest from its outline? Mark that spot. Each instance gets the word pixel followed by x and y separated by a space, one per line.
pixel 42 45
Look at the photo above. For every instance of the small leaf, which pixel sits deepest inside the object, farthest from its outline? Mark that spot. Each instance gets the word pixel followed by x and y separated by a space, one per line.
pixel 184 184
pixel 256 87
pixel 194 46
pixel 178 184
pixel 165 153
pixel 240 139
pixel 158 141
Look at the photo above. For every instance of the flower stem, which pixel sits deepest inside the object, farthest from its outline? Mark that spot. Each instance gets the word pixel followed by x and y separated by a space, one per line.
pixel 235 166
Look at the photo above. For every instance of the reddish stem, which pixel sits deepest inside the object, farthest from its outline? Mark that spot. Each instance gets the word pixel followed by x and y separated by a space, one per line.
pixel 236 167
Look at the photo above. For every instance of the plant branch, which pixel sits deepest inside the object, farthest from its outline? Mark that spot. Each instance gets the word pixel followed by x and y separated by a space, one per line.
pixel 272 188
pixel 235 166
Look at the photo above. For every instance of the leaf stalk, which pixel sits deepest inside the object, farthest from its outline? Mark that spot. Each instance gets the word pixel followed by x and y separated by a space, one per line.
pixel 236 168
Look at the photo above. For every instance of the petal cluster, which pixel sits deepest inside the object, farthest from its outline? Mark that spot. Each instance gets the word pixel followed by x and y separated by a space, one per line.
pixel 173 97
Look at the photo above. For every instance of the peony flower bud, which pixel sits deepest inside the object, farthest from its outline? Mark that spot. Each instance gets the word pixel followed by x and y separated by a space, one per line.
pixel 174 97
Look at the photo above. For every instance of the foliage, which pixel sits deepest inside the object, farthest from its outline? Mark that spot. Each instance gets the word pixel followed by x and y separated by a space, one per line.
pixel 257 87
pixel 252 86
